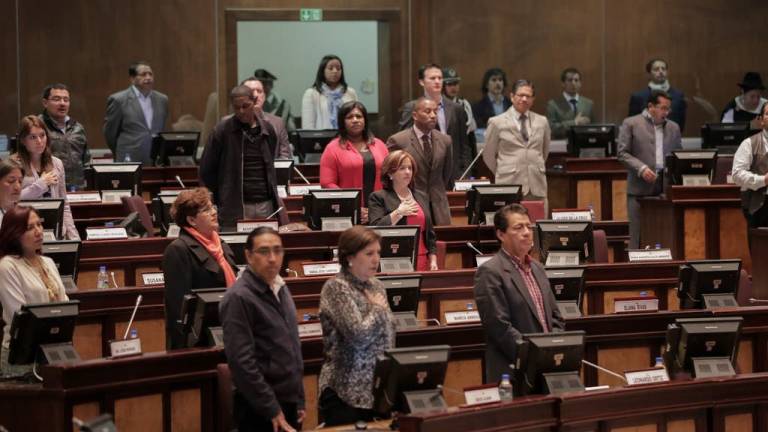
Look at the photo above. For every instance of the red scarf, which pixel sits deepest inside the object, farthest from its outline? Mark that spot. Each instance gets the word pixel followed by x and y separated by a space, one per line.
pixel 213 246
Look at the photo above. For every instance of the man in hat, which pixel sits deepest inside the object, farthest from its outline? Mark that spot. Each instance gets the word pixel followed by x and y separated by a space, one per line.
pixel 657 73
pixel 750 172
pixel 451 90
pixel 273 103
pixel 749 104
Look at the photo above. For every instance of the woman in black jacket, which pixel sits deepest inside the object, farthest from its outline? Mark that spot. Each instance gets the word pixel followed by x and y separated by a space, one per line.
pixel 197 259
pixel 397 205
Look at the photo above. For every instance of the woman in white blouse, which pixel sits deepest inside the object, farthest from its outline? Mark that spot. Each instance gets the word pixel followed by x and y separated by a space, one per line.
pixel 26 277
pixel 321 102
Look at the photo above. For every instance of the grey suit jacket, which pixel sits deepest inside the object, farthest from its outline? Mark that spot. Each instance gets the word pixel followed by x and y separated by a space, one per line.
pixel 512 159
pixel 637 149
pixel 125 128
pixel 507 311
pixel 283 144
pixel 433 178
pixel 456 128
pixel 561 115
pixel 383 202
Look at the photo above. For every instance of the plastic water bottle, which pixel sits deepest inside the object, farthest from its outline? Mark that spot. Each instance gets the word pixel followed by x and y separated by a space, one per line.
pixel 659 363
pixel 102 280
pixel 127 158
pixel 658 245
pixel 505 388
pixel 591 211
pixel 134 333
pixel 335 255
pixel 470 306
pixel 306 317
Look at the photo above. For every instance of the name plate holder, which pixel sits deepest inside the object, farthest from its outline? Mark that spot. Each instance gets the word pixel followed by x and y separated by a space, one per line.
pixel 124 348
pixel 335 223
pixel 424 401
pixel 173 231
pixel 481 259
pixel 715 301
pixel 481 395
pixel 282 191
pixel 562 258
pixel 462 317
pixel 646 376
pixel 405 321
pixel 302 189
pixel 153 278
pixel 308 329
pixel 636 304
pixel 558 383
pixel 465 185
pixel 116 233
pixel 645 255
pixel 321 268
pixel 113 196
pixel 396 265
pixel 569 309
pixel 60 353
pixel 696 180
pixel 712 367
pixel 574 215
pixel 248 225
pixel 84 197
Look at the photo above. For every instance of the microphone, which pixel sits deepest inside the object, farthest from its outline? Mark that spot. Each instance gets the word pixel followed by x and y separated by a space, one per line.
pixel 471 164
pixel 295 273
pixel 471 246
pixel 753 300
pixel 133 315
pixel 178 179
pixel 430 320
pixel 114 281
pixel 275 212
pixel 449 389
pixel 301 175
pixel 600 368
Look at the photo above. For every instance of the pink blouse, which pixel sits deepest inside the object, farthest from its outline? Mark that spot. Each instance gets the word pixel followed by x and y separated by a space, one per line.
pixel 341 165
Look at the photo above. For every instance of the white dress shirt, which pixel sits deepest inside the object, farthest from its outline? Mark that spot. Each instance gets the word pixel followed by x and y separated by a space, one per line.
pixel 146 105
pixel 742 162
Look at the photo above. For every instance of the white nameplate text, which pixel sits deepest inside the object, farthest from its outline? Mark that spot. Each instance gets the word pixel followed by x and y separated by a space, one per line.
pixel 84 197
pixel 247 227
pixel 154 278
pixel 321 269
pixel 465 185
pixel 303 189
pixel 106 233
pixel 650 376
pixel 641 255
pixel 114 196
pixel 572 216
pixel 173 231
pixel 310 329
pixel 462 317
pixel 631 305
pixel 482 396
pixel 123 348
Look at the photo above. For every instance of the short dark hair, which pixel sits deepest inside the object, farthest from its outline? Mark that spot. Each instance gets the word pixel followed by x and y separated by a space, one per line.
pixel 250 79
pixel 353 240
pixel 501 217
pixel 347 108
pixel 56 86
pixel 424 68
pixel 566 71
pixel 133 69
pixel 14 226
pixel 240 91
pixel 258 231
pixel 656 95
pixel 490 73
pixel 189 203
pixel 650 63
pixel 320 76
pixel 7 166
pixel 523 83
pixel 392 163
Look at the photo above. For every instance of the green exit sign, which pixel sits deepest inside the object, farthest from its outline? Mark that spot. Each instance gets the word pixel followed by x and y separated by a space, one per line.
pixel 308 15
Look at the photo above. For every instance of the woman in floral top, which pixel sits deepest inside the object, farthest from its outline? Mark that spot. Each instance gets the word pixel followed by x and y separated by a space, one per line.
pixel 357 327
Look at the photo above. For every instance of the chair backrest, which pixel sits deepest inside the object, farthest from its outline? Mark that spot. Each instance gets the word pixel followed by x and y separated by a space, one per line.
pixel 224 395
pixel 601 246
pixel 745 289
pixel 136 203
pixel 535 210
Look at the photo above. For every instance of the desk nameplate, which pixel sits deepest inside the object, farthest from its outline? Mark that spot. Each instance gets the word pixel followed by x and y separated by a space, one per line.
pixel 153 278
pixel 642 255
pixel 636 304
pixel 117 233
pixel 647 376
pixel 482 395
pixel 462 317
pixel 310 329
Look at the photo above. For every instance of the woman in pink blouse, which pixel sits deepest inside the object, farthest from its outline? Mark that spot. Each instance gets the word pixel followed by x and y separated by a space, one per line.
pixel 353 159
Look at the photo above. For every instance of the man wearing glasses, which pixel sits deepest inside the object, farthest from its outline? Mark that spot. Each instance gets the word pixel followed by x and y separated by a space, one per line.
pixel 261 340
pixel 512 293
pixel 66 137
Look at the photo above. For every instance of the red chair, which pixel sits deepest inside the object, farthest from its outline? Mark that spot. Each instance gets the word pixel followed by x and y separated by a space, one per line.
pixel 745 289
pixel 224 396
pixel 600 243
pixel 136 203
pixel 535 210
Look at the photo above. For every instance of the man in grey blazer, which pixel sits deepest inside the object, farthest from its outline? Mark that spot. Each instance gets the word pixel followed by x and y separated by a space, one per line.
pixel 134 116
pixel 570 109
pixel 451 117
pixel 644 141
pixel 433 153
pixel 512 293
pixel 517 144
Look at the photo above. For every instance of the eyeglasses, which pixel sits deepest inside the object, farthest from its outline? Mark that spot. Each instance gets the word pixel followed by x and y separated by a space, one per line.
pixel 266 251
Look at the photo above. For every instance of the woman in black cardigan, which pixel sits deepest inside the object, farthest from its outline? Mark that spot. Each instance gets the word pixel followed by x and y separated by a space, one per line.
pixel 397 205
pixel 197 259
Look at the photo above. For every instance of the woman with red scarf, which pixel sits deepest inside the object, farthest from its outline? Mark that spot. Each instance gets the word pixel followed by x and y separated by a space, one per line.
pixel 197 259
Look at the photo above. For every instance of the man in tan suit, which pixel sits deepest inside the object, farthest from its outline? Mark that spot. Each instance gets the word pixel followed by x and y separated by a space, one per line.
pixel 433 153
pixel 517 144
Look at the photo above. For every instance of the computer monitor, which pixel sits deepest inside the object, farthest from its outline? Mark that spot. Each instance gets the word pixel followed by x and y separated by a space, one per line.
pixel 706 284
pixel 725 137
pixel 175 148
pixel 565 243
pixel 236 242
pixel 116 176
pixel 403 297
pixel 66 255
pixel 593 140
pixel 549 363
pixel 51 212
pixel 567 284
pixel 42 333
pixel 311 143
pixel 332 209
pixel 161 208
pixel 407 379
pixel 691 167
pixel 200 317
pixel 702 347
pixel 399 247
pixel 484 200
pixel 283 169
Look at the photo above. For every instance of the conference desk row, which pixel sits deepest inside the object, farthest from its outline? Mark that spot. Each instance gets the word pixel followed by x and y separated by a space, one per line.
pixel 177 390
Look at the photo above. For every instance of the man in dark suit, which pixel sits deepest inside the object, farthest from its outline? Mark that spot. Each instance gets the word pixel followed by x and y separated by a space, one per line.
pixel 433 153
pixel 134 116
pixel 451 117
pixel 657 72
pixel 512 293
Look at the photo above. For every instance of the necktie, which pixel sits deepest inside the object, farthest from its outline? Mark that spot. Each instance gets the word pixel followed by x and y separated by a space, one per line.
pixel 573 103
pixel 427 147
pixel 524 127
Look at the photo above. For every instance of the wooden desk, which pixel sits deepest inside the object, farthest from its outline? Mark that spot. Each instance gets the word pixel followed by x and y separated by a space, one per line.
pixel 601 182
pixel 759 239
pixel 697 222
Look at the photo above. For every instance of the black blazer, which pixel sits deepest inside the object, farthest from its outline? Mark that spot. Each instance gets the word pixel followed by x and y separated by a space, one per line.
pixel 187 266
pixel 383 202
pixel 483 110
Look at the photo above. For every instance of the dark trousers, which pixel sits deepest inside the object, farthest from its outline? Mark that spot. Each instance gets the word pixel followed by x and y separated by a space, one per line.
pixel 756 220
pixel 334 411
pixel 248 421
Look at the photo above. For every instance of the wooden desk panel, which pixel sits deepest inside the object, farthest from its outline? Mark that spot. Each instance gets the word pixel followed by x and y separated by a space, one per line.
pixel 759 239
pixel 600 182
